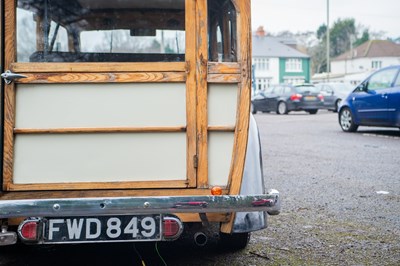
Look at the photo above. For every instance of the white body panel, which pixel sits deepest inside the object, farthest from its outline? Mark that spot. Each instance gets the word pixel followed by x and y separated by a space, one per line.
pixel 222 104
pixel 106 157
pixel 116 157
pixel 100 105
pixel 219 157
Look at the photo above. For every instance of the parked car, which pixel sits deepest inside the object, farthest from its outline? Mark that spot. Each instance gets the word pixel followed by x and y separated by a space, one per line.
pixel 334 93
pixel 284 98
pixel 374 102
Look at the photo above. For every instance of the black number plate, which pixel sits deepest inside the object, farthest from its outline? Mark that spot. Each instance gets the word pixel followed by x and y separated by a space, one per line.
pixel 102 229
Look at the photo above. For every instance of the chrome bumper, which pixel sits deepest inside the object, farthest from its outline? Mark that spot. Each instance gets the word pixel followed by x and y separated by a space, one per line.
pixel 269 202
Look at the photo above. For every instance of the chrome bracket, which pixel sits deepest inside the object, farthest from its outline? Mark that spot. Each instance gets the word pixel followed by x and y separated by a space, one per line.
pixel 9 76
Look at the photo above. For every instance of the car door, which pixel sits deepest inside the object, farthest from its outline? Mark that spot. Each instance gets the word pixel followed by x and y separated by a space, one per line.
pixel 394 103
pixel 260 102
pixel 65 92
pixel 371 105
pixel 274 97
pixel 329 96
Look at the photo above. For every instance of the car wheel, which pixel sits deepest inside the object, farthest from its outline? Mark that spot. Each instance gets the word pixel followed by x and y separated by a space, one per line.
pixel 253 110
pixel 313 112
pixel 346 120
pixel 282 108
pixel 337 105
pixel 235 241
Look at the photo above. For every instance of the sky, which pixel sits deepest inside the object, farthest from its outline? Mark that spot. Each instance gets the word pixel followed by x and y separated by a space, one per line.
pixel 308 15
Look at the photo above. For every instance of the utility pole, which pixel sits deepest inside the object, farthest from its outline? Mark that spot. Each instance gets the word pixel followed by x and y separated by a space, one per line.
pixel 327 41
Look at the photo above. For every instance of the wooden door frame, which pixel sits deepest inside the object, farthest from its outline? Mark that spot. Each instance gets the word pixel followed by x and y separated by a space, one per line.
pixel 43 73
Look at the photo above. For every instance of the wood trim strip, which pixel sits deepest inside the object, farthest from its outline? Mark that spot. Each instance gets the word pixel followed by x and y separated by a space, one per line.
pixel 102 77
pixel 222 128
pixel 98 130
pixel 98 185
pixel 224 78
pixel 98 67
pixel 9 94
pixel 190 27
pixel 143 192
pixel 202 91
pixel 224 68
pixel 243 117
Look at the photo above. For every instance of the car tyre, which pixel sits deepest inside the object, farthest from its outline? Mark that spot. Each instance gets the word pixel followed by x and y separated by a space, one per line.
pixel 313 112
pixel 282 108
pixel 346 120
pixel 253 110
pixel 234 242
pixel 337 105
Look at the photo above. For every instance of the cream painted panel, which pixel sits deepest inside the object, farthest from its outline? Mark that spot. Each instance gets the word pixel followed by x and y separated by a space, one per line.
pixel 100 105
pixel 58 158
pixel 222 104
pixel 220 147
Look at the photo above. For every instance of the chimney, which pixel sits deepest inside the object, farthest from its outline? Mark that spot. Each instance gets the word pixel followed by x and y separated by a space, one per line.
pixel 260 31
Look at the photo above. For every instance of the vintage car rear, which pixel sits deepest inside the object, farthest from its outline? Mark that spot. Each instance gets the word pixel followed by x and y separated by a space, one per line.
pixel 129 121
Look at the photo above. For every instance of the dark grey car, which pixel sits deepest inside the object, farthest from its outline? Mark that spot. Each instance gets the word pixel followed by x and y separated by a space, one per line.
pixel 284 98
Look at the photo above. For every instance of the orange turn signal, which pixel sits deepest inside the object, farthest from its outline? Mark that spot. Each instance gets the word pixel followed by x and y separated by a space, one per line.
pixel 216 191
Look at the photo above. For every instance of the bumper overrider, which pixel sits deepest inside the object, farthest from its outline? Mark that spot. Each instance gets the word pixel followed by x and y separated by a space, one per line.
pixel 39 209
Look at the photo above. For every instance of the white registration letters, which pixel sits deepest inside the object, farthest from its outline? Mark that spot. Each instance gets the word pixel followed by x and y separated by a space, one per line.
pixel 53 228
pixel 74 228
pixel 96 233
pixel 102 229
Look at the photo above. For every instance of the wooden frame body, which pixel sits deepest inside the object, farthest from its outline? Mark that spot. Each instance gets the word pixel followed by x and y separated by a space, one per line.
pixel 196 72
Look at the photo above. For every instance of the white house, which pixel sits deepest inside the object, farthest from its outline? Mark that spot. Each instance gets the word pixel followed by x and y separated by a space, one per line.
pixel 276 61
pixel 356 64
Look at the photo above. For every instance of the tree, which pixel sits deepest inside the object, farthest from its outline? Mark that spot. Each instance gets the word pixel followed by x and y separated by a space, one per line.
pixel 318 58
pixel 364 38
pixel 321 32
pixel 343 35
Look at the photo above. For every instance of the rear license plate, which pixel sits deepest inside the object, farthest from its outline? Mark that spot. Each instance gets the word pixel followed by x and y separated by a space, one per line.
pixel 102 229
pixel 310 98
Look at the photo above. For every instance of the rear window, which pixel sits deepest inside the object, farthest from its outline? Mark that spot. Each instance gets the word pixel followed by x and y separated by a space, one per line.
pixel 305 89
pixel 100 31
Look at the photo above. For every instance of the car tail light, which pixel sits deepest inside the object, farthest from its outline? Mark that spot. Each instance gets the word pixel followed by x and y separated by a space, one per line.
pixel 29 230
pixel 173 228
pixel 321 97
pixel 296 97
pixel 263 202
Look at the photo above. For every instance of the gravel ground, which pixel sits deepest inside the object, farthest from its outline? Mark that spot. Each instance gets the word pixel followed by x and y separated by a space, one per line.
pixel 332 213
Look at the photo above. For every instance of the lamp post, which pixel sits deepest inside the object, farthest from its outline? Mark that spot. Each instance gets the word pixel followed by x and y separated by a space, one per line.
pixel 327 41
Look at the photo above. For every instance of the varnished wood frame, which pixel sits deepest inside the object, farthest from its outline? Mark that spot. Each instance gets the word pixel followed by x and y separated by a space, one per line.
pixel 243 9
pixel 197 72
pixel 1 86
pixel 98 73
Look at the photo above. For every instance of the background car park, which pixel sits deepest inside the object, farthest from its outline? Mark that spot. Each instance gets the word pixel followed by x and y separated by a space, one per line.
pixel 284 98
pixel 334 93
pixel 375 102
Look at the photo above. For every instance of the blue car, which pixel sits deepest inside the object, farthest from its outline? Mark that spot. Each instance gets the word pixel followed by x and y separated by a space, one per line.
pixel 374 102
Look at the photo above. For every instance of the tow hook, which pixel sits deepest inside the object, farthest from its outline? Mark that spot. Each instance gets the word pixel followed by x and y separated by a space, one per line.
pixel 6 237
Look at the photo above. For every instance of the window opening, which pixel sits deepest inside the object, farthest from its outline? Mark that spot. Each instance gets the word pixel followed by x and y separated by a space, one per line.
pixel 222 31
pixel 100 31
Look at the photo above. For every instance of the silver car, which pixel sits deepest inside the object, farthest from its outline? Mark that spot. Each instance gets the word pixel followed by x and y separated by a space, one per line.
pixel 334 93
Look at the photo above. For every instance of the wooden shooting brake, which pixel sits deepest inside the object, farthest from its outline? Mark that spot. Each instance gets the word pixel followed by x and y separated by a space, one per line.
pixel 128 108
